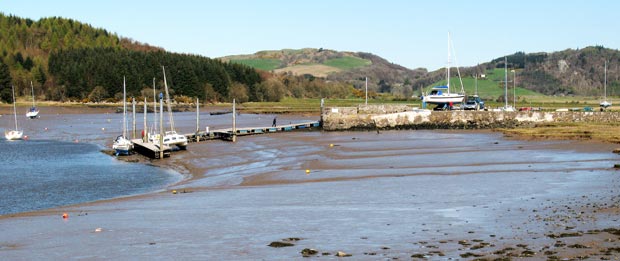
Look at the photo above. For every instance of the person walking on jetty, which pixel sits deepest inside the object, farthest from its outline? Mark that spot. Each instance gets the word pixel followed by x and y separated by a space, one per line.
pixel 274 122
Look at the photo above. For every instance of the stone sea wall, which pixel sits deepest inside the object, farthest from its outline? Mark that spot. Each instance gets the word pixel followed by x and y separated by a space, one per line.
pixel 401 116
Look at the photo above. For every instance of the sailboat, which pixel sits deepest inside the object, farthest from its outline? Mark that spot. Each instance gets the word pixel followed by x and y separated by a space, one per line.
pixel 605 104
pixel 15 134
pixel 441 94
pixel 33 112
pixel 171 137
pixel 122 145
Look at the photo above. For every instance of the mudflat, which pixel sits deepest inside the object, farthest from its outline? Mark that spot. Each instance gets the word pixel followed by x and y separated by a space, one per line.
pixel 360 195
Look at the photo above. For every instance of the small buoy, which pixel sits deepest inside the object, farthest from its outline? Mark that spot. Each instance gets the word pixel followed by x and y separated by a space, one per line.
pixel 98 229
pixel 76 141
pixel 25 137
pixel 331 144
pixel 307 171
pixel 65 215
pixel 45 128
pixel 103 129
pixel 174 192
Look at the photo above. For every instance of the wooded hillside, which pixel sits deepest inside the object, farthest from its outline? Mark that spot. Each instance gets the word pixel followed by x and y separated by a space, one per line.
pixel 69 60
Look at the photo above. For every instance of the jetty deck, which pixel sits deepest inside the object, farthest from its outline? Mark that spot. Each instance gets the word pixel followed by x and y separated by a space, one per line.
pixel 227 134
pixel 150 150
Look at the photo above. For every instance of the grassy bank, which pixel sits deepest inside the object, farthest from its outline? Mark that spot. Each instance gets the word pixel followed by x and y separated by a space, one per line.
pixel 603 132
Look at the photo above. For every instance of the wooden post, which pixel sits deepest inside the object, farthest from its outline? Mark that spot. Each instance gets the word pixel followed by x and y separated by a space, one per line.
pixel 322 108
pixel 197 120
pixel 144 138
pixel 133 101
pixel 234 123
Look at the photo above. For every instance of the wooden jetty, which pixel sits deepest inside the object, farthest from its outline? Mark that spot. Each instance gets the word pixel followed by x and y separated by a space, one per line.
pixel 152 150
pixel 227 134
pixel 148 149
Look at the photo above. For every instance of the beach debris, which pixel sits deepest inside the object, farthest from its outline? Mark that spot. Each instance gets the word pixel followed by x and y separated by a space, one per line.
pixel 307 252
pixel 342 254
pixel 470 254
pixel 280 244
pixel 571 234
pixel 65 215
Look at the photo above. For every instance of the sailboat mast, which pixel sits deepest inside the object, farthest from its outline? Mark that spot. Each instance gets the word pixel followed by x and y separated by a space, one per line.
pixel 154 108
pixel 124 110
pixel 168 101
pixel 14 108
pixel 32 88
pixel 505 82
pixel 605 84
pixel 448 67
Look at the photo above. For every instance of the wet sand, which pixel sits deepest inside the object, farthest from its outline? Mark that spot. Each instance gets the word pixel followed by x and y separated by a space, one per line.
pixel 393 195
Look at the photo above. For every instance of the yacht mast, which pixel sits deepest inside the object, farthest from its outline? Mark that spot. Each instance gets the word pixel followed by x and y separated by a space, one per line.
pixel 168 101
pixel 449 64
pixel 505 82
pixel 605 84
pixel 124 110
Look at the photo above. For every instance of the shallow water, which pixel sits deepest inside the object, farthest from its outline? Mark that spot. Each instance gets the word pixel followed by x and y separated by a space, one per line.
pixel 59 163
pixel 41 174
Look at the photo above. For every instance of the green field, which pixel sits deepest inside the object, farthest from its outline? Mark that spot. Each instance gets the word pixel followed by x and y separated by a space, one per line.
pixel 263 64
pixel 491 87
pixel 347 62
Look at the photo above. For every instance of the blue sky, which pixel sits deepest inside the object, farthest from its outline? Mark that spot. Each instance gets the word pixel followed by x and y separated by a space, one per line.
pixel 409 33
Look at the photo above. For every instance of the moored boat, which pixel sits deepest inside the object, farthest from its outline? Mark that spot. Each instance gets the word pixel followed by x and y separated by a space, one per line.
pixel 122 145
pixel 15 134
pixel 441 95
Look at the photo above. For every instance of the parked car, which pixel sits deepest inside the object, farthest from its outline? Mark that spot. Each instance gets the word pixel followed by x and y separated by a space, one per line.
pixel 473 103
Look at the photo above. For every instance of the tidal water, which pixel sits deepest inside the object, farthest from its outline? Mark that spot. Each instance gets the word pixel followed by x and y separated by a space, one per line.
pixel 60 163
pixel 41 174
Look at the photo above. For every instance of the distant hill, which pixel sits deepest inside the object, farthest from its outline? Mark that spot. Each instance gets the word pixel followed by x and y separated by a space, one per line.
pixel 350 67
pixel 570 72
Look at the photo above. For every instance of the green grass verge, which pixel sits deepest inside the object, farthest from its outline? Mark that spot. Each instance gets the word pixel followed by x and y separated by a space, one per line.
pixel 347 62
pixel 262 64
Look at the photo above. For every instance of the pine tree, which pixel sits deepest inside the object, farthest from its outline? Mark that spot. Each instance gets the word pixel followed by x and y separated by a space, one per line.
pixel 5 83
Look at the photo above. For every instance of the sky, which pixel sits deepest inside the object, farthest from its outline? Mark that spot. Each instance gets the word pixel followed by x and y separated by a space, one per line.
pixel 410 33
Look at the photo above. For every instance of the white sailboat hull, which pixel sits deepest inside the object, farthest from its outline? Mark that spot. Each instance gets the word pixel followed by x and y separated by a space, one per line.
pixel 444 98
pixel 13 135
pixel 605 104
pixel 122 146
pixel 171 138
pixel 32 114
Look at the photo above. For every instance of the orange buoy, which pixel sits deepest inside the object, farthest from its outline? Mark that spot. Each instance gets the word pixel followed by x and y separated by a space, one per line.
pixel 65 215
